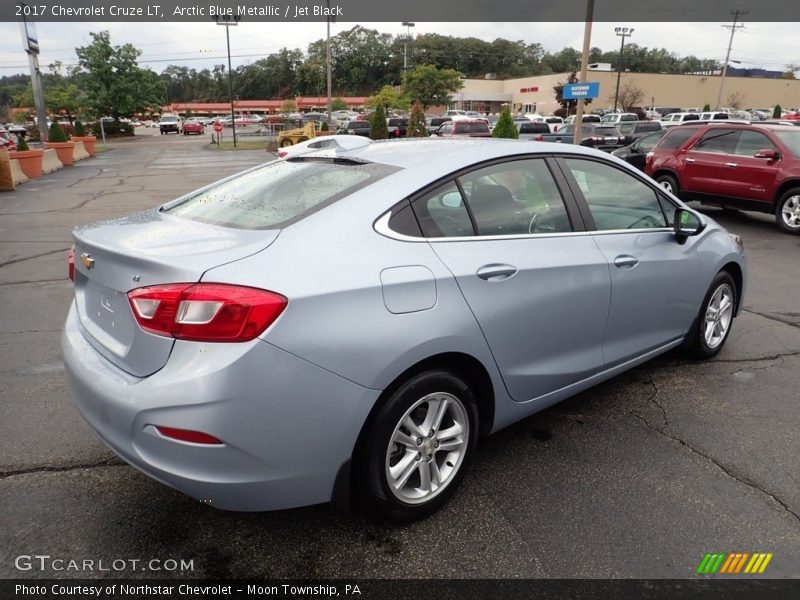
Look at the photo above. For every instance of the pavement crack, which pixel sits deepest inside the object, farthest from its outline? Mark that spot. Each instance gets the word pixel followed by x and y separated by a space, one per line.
pixel 59 280
pixel 24 258
pixel 108 462
pixel 720 466
pixel 772 317
pixel 755 359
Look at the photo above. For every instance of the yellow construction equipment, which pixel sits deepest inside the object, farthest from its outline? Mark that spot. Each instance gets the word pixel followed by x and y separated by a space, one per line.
pixel 295 136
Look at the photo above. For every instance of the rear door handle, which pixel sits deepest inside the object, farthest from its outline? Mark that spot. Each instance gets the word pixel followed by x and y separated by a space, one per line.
pixel 690 160
pixel 731 165
pixel 496 272
pixel 626 261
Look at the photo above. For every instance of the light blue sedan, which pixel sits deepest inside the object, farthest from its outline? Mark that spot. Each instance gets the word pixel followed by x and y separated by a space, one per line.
pixel 349 323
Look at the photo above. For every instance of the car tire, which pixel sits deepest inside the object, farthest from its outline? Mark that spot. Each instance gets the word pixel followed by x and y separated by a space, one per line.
pixel 669 183
pixel 715 319
pixel 431 461
pixel 787 211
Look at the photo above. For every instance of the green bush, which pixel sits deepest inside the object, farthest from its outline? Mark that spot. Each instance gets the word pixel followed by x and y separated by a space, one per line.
pixel 777 112
pixel 80 130
pixel 706 107
pixel 505 128
pixel 22 145
pixel 416 123
pixel 378 130
pixel 324 126
pixel 56 133
pixel 112 129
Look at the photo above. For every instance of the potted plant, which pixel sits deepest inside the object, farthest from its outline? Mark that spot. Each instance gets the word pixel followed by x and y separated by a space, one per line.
pixel 57 140
pixel 80 136
pixel 30 161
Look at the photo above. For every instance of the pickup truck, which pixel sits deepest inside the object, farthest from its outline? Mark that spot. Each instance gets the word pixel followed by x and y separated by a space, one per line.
pixel 565 134
pixel 529 131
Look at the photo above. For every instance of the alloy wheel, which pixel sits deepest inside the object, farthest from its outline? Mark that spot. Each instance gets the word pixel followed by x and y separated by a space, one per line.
pixel 719 315
pixel 790 212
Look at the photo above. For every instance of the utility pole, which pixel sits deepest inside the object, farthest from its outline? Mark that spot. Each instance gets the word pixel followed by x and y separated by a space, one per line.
pixel 30 43
pixel 229 21
pixel 622 32
pixel 328 62
pixel 587 38
pixel 733 28
pixel 408 25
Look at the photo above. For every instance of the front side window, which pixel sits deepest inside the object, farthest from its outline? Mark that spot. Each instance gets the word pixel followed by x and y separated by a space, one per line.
pixel 751 142
pixel 616 199
pixel 717 141
pixel 276 193
pixel 517 197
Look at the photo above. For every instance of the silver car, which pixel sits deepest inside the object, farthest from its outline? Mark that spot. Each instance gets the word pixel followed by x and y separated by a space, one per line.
pixel 348 324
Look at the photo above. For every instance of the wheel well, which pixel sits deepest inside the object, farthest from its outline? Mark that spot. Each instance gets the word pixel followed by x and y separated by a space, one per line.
pixel 785 186
pixel 672 174
pixel 735 271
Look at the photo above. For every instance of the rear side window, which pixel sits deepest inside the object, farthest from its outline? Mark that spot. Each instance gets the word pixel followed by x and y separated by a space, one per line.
pixel 676 138
pixel 442 213
pixel 277 193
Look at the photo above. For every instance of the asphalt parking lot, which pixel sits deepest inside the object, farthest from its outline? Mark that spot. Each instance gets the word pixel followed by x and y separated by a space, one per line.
pixel 639 477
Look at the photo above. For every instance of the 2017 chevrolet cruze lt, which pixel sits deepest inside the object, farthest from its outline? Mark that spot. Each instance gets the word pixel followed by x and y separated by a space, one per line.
pixel 356 320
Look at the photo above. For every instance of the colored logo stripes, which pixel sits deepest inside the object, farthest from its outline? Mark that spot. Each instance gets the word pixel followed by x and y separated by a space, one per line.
pixel 734 563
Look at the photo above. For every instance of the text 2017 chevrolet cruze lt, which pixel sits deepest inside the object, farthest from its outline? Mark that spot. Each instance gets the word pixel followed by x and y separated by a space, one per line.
pixel 355 320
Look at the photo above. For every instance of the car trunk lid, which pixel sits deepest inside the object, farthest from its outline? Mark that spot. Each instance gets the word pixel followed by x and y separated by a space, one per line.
pixel 114 257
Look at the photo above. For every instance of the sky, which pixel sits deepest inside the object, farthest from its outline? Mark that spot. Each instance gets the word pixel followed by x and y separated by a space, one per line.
pixel 202 45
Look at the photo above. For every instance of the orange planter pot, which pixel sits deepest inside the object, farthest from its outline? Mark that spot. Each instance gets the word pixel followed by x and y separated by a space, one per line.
pixel 30 161
pixel 64 151
pixel 88 142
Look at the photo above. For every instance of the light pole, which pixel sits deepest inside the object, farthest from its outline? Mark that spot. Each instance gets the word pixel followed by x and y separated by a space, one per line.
pixel 408 25
pixel 229 21
pixel 623 32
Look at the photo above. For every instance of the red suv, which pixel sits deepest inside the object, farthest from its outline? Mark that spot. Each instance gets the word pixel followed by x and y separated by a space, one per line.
pixel 752 167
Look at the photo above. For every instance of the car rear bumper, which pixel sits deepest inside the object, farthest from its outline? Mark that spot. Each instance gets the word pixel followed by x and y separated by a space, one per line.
pixel 287 425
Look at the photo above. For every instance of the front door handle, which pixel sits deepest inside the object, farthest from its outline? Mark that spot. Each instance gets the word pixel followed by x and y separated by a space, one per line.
pixel 690 160
pixel 731 165
pixel 626 261
pixel 496 272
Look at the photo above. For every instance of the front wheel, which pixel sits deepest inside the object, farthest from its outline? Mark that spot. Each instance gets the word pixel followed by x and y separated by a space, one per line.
pixel 669 183
pixel 713 324
pixel 420 446
pixel 787 211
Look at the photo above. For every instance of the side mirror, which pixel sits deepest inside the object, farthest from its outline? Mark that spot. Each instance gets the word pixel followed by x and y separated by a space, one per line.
pixel 687 224
pixel 768 153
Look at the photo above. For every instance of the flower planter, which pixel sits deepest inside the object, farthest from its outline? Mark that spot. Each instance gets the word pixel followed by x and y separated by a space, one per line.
pixel 64 151
pixel 30 161
pixel 88 142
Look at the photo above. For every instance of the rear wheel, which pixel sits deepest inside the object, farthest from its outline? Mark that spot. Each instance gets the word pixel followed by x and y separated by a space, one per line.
pixel 419 446
pixel 669 183
pixel 713 324
pixel 787 211
pixel 286 143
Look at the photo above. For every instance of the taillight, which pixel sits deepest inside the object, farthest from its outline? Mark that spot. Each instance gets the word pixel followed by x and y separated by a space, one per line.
pixel 187 435
pixel 282 153
pixel 538 138
pixel 71 263
pixel 205 312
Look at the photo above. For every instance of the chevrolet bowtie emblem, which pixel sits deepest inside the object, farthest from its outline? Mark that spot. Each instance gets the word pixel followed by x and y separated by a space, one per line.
pixel 87 260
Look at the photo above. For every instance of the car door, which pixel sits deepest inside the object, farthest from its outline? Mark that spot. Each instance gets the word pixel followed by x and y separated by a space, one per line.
pixel 708 162
pixel 640 148
pixel 539 291
pixel 654 279
pixel 750 177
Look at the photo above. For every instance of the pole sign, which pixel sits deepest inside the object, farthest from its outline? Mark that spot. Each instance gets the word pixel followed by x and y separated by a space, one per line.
pixel 581 91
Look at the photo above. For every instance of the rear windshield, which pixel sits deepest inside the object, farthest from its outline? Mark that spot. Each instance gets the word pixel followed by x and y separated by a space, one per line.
pixel 169 119
pixel 277 193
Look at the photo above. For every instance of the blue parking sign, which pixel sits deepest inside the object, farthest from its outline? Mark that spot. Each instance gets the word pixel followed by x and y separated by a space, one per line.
pixel 578 91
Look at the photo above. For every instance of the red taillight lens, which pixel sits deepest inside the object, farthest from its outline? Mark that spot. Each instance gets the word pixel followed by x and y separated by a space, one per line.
pixel 538 138
pixel 71 264
pixel 187 435
pixel 282 153
pixel 205 312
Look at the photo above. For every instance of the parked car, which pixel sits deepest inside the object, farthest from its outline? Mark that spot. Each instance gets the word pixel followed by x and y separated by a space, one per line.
pixel 170 124
pixel 319 327
pixel 587 118
pixel 328 142
pixel 714 116
pixel 433 123
pixel 566 134
pixel 604 137
pixel 751 167
pixel 464 128
pixel 454 113
pixel 398 126
pixel 632 131
pixel 529 130
pixel 355 128
pixel 636 152
pixel 191 126
pixel 673 119
pixel 554 123
pixel 614 118
pixel 7 140
pixel 16 128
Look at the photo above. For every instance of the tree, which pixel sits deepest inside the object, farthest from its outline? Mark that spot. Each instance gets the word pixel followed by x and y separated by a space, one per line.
pixel 706 107
pixel 736 100
pixel 66 98
pixel 630 95
pixel 338 104
pixel 378 130
pixel 288 106
pixel 777 112
pixel 431 86
pixel 387 97
pixel 416 123
pixel 115 85
pixel 505 128
pixel 56 134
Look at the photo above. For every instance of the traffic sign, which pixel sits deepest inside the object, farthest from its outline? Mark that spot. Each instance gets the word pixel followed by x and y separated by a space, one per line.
pixel 217 127
pixel 581 91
